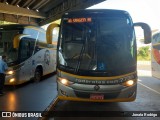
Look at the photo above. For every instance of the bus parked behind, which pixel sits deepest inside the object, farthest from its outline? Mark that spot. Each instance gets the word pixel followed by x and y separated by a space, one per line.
pixel 155 55
pixel 29 55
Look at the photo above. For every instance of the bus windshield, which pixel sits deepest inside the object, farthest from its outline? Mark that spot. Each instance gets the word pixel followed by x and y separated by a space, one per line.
pixel 97 45
pixel 6 45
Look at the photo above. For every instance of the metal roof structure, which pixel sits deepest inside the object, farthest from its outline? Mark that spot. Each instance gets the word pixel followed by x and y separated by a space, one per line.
pixel 39 12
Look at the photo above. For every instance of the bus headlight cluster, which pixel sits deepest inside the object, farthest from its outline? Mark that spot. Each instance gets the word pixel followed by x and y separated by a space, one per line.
pixel 129 83
pixel 65 81
pixel 10 72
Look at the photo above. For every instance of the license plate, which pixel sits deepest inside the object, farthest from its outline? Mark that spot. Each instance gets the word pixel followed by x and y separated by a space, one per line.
pixel 97 96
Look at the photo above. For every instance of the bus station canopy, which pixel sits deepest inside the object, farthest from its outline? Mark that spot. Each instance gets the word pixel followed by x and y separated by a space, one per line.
pixel 39 12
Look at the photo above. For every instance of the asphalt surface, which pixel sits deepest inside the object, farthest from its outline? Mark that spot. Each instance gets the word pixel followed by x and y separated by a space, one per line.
pixel 29 97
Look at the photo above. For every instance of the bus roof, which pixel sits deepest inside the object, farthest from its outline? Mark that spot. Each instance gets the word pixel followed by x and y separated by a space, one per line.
pixel 96 11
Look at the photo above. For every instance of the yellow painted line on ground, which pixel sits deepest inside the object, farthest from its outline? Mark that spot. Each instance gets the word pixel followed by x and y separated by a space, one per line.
pixel 149 88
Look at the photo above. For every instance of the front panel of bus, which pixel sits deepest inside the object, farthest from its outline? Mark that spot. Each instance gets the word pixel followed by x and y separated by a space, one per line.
pixel 7 35
pixel 97 57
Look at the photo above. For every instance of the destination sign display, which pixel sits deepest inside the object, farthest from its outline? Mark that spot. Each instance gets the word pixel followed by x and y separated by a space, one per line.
pixel 79 20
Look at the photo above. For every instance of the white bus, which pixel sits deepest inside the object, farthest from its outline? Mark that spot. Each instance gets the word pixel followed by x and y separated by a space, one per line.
pixel 155 55
pixel 29 54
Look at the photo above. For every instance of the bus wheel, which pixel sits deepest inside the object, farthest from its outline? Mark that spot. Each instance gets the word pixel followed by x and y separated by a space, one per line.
pixel 37 75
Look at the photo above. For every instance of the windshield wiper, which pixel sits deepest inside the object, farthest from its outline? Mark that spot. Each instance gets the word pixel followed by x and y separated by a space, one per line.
pixel 80 56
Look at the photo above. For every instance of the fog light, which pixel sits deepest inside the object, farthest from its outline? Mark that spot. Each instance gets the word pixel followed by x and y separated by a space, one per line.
pixel 12 80
pixel 63 92
pixel 131 94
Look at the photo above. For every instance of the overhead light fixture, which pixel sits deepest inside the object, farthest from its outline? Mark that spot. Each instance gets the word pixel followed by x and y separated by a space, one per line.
pixel 17 5
pixel 28 8
pixel 37 10
pixel 7 3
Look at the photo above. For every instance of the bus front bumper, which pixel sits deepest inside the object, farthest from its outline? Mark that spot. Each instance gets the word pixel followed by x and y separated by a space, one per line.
pixel 10 80
pixel 106 93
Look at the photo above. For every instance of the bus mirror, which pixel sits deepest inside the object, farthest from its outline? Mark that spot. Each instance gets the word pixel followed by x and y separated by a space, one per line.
pixel 49 32
pixel 147 31
pixel 16 41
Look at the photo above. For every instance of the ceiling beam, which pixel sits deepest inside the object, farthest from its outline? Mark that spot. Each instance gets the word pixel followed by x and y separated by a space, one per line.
pixel 18 19
pixel 51 5
pixel 4 1
pixel 17 2
pixel 31 3
pixel 26 3
pixel 38 4
pixel 56 12
pixel 46 1
pixel 10 9
pixel 13 1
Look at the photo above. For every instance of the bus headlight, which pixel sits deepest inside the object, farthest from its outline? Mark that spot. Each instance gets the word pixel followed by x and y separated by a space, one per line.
pixel 10 72
pixel 12 80
pixel 129 83
pixel 65 81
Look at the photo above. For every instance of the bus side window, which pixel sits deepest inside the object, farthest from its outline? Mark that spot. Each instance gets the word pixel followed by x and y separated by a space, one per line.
pixel 32 44
pixel 37 48
pixel 157 39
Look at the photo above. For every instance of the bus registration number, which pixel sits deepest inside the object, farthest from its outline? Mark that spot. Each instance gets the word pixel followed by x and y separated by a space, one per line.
pixel 97 96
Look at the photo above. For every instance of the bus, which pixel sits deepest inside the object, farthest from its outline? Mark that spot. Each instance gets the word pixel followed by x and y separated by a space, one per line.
pixel 155 55
pixel 29 54
pixel 96 56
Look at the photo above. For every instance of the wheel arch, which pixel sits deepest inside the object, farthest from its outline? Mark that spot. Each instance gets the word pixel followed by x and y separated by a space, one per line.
pixel 40 67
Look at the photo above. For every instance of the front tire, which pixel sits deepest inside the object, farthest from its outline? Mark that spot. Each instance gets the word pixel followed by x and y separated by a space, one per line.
pixel 37 75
